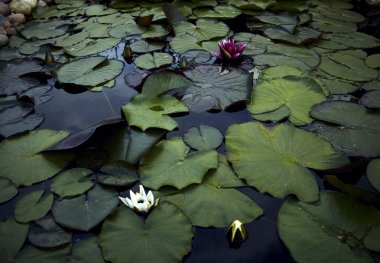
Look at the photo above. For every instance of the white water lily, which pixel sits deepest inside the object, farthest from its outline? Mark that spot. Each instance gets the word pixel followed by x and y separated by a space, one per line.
pixel 140 201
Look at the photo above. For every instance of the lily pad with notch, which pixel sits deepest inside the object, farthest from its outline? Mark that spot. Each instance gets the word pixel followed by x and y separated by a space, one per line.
pixel 7 190
pixel 204 137
pixel 32 254
pixel 204 29
pixel 72 182
pixel 91 46
pixel 13 235
pixel 118 173
pixel 86 251
pixel 371 99
pixel 149 61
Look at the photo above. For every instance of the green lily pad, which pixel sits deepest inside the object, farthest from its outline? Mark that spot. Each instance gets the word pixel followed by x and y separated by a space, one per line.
pixel 284 20
pixel 46 233
pixel 373 61
pixel 348 126
pixel 72 39
pixel 91 46
pixel 13 235
pixel 89 71
pixel 23 161
pixel 7 190
pixel 204 137
pixel 213 89
pixel 165 236
pixel 325 24
pixel 86 251
pixel 347 67
pixel 341 14
pixel 218 12
pixel 373 173
pixel 253 4
pixel 44 30
pixel 99 10
pixel 169 163
pixel 149 61
pixel 371 99
pixel 72 182
pixel 340 86
pixel 275 159
pixel 184 43
pixel 145 112
pixel 333 228
pixel 31 254
pixel 279 60
pixel 298 94
pixel 354 40
pixel 155 31
pixel 160 82
pixel 118 173
pixel 142 46
pixel 204 29
pixel 300 36
pixel 85 211
pixel 33 206
pixel 197 56
pixel 12 80
pixel 131 28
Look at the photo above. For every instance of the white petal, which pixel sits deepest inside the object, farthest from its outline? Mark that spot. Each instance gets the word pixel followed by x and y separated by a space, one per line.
pixel 150 197
pixel 133 197
pixel 142 191
pixel 130 203
pixel 142 207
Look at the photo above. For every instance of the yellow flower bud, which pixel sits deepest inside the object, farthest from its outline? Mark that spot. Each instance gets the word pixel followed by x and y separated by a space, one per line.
pixel 236 232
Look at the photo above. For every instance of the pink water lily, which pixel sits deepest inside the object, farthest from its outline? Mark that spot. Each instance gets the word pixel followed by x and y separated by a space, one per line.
pixel 228 50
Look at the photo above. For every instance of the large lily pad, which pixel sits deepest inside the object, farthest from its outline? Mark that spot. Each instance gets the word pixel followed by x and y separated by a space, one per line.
pixel 158 59
pixel 275 159
pixel 91 46
pixel 44 30
pixel 118 173
pixel 145 112
pixel 160 82
pixel 334 228
pixel 203 30
pixel 204 137
pixel 7 190
pixel 373 61
pixel 13 235
pixel 85 212
pixel 298 94
pixel 354 40
pixel 371 99
pixel 300 36
pixel 349 126
pixel 72 182
pixel 31 254
pixel 373 173
pixel 89 71
pixel 165 236
pixel 86 251
pixel 215 90
pixel 33 206
pixel 23 160
pixel 12 79
pixel 169 163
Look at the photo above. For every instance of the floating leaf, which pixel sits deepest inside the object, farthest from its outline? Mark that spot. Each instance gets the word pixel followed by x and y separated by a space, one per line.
pixel 148 61
pixel 44 30
pixel 23 161
pixel 349 126
pixel 300 36
pixel 169 163
pixel 275 159
pixel 12 79
pixel 7 190
pixel 298 94
pixel 213 89
pixel 204 29
pixel 87 251
pixel 204 137
pixel 72 39
pixel 13 235
pixel 31 254
pixel 373 61
pixel 197 56
pixel 46 233
pixel 37 95
pixel 85 211
pixel 142 46
pixel 354 40
pixel 184 43
pixel 165 236
pixel 89 71
pixel 325 24
pixel 333 228
pixel 72 182
pixel 145 112
pixel 91 46
pixel 373 173
pixel 160 82
pixel 371 99
pixel 253 4
pixel 33 206
pixel 218 12
pixel 118 173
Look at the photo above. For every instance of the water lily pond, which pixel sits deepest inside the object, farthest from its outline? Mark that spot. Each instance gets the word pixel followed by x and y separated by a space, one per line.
pixel 191 131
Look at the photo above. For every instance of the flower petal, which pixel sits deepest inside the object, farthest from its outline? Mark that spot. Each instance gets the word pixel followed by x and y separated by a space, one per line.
pixel 150 197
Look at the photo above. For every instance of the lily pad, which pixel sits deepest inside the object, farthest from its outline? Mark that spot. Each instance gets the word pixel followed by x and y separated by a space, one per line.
pixel 165 236
pixel 89 71
pixel 170 163
pixel 31 254
pixel 142 46
pixel 373 173
pixel 298 94
pixel 373 61
pixel 204 29
pixel 44 30
pixel 86 251
pixel 46 233
pixel 218 12
pixel 275 159
pixel 300 36
pixel 72 182
pixel 23 160
pixel 145 112
pixel 354 40
pixel 85 211
pixel 13 235
pixel 7 190
pixel 333 228
pixel 160 82
pixel 204 137
pixel 33 206
pixel 91 46
pixel 118 173
pixel 371 99
pixel 213 89
pixel 148 61
pixel 12 79
pixel 72 39
pixel 184 43
pixel 348 126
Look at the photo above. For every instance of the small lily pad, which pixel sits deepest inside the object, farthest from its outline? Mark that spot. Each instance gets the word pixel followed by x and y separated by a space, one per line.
pixel 373 173
pixel 371 99
pixel 148 61
pixel 33 206
pixel 203 138
pixel 204 29
pixel 373 61
pixel 142 46
pixel 170 163
pixel 86 251
pixel 91 46
pixel 72 182
pixel 7 190
pixel 13 235
pixel 32 254
pixel 118 173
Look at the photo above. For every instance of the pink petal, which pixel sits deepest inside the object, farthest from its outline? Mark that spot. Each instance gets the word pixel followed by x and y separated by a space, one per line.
pixel 216 54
